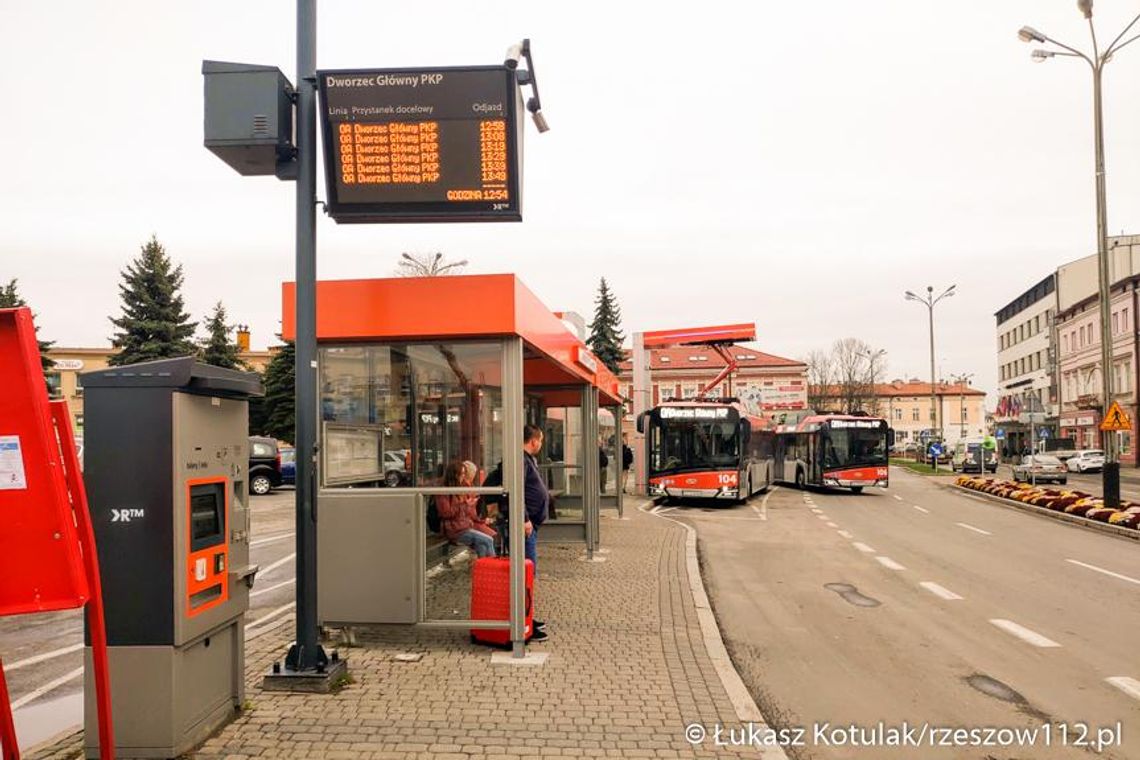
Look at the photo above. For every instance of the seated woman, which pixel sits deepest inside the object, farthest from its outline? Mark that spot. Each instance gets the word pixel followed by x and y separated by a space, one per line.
pixel 458 513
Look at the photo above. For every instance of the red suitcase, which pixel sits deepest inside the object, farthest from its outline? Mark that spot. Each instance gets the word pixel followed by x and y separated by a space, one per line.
pixel 491 598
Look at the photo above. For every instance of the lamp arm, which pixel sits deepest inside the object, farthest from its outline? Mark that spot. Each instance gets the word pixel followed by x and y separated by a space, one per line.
pixel 1114 50
pixel 1071 50
pixel 1113 47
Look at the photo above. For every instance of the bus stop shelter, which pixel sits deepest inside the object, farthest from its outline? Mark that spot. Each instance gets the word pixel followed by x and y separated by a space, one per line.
pixel 414 375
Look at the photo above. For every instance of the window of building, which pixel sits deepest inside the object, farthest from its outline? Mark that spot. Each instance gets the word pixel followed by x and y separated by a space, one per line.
pixel 898 414
pixel 914 414
pixel 1037 324
pixel 1115 322
pixel 1124 318
pixel 1065 343
pixel 54 385
pixel 1124 442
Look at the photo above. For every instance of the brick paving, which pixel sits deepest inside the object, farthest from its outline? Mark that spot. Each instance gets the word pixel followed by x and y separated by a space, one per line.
pixel 627 671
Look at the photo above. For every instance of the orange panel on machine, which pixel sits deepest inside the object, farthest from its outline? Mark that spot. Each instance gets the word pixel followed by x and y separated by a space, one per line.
pixel 694 336
pixel 207 569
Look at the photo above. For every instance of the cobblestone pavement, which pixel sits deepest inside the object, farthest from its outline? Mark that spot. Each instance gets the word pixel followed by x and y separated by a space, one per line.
pixel 627 672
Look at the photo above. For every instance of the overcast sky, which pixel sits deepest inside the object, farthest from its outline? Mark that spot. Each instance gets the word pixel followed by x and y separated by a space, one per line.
pixel 801 164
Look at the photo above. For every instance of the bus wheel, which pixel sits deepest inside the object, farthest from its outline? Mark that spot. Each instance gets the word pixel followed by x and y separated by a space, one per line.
pixel 856 489
pixel 800 480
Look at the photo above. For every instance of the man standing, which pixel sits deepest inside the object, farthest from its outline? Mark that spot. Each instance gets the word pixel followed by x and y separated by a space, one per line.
pixel 626 460
pixel 537 501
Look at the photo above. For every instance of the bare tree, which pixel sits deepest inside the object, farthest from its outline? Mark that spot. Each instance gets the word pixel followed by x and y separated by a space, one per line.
pixel 428 265
pixel 821 378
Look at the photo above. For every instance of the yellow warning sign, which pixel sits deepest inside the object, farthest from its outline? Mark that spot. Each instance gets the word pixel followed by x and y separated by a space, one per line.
pixel 1116 419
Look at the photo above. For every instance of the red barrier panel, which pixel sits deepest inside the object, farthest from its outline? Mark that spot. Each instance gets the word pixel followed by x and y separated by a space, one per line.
pixel 47 548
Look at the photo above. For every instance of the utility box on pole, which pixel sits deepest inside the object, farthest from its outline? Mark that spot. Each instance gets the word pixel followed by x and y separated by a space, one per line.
pixel 249 117
pixel 167 459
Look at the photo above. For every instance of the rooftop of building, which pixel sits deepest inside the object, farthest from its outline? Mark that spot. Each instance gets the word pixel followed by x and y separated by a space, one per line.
pixel 690 357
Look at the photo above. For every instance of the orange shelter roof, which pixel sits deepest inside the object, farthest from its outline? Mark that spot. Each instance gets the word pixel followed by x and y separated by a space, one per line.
pixel 454 308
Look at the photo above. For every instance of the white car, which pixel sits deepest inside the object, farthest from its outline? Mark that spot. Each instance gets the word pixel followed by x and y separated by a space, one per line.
pixel 1086 460
pixel 1040 468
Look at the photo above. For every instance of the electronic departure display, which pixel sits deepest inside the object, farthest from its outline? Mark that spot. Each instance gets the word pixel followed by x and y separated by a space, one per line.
pixel 422 145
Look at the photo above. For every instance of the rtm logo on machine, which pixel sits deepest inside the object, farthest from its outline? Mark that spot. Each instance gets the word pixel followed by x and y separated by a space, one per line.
pixel 126 515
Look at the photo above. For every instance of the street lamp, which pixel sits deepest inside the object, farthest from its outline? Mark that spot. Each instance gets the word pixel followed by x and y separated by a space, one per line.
pixel 929 301
pixel 963 381
pixel 1096 63
pixel 871 356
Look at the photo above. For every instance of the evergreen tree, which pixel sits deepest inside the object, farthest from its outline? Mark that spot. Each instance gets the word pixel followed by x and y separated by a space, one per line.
pixel 258 413
pixel 605 331
pixel 217 349
pixel 10 299
pixel 281 394
pixel 153 324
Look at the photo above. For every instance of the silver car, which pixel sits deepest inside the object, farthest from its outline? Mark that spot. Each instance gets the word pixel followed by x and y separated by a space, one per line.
pixel 1086 460
pixel 1040 468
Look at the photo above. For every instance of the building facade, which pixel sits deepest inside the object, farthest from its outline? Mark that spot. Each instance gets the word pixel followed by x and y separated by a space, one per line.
pixel 1079 345
pixel 63 377
pixel 1027 376
pixel 764 382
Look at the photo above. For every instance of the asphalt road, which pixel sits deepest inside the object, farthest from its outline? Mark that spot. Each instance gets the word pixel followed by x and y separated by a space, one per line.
pixel 43 655
pixel 925 605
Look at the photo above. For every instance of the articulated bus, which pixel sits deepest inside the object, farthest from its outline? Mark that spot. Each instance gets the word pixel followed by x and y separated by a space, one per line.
pixel 706 448
pixel 834 450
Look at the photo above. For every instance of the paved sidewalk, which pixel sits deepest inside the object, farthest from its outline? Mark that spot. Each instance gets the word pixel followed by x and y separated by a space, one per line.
pixel 628 670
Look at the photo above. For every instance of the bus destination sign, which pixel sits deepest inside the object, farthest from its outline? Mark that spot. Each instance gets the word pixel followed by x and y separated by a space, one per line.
pixel 422 145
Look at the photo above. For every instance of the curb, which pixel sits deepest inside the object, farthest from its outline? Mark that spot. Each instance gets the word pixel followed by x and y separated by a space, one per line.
pixel 746 709
pixel 1081 522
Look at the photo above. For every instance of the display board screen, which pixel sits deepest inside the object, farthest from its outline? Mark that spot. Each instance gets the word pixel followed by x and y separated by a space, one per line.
pixel 207 509
pixel 430 145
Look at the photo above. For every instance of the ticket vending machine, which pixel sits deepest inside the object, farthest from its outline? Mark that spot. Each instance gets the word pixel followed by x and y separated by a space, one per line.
pixel 166 467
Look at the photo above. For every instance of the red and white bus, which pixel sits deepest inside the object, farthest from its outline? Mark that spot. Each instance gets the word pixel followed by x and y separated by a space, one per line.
pixel 848 451
pixel 706 448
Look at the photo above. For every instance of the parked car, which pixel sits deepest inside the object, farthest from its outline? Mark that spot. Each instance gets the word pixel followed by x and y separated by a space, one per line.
pixel 288 466
pixel 396 468
pixel 264 465
pixel 1086 460
pixel 1040 468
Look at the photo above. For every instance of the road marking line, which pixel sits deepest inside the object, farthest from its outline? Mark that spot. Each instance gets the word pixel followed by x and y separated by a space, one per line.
pixel 822 516
pixel 897 497
pixel 1106 572
pixel 941 591
pixel 276 613
pixel 815 511
pixel 830 524
pixel 863 547
pixel 1129 686
pixel 8 668
pixel 889 563
pixel 967 526
pixel 846 535
pixel 271 539
pixel 764 503
pixel 270 568
pixel 49 686
pixel 920 509
pixel 665 509
pixel 1023 633
pixel 274 587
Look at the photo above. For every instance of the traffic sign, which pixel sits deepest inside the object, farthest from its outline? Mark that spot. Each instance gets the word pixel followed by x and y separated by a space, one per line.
pixel 1000 433
pixel 1116 419
pixel 1043 433
pixel 936 449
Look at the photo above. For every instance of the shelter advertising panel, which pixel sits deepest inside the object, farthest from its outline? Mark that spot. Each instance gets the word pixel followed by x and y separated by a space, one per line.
pixel 422 145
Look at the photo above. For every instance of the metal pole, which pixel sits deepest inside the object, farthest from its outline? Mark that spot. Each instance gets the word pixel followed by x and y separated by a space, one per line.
pixel 1111 476
pixel 513 479
pixel 933 402
pixel 306 652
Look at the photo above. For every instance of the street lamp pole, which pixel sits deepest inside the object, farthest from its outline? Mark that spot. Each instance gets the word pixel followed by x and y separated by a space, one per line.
pixel 929 301
pixel 1111 476
pixel 963 381
pixel 871 356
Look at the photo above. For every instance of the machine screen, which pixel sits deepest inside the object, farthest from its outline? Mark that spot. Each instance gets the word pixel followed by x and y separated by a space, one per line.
pixel 207 514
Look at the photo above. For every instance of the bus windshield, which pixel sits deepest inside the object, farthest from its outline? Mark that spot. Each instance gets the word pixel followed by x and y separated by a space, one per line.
pixel 855 447
pixel 695 445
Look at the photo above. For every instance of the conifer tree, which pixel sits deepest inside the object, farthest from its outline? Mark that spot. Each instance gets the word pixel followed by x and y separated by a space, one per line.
pixel 9 299
pixel 153 324
pixel 217 348
pixel 605 331
pixel 281 394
